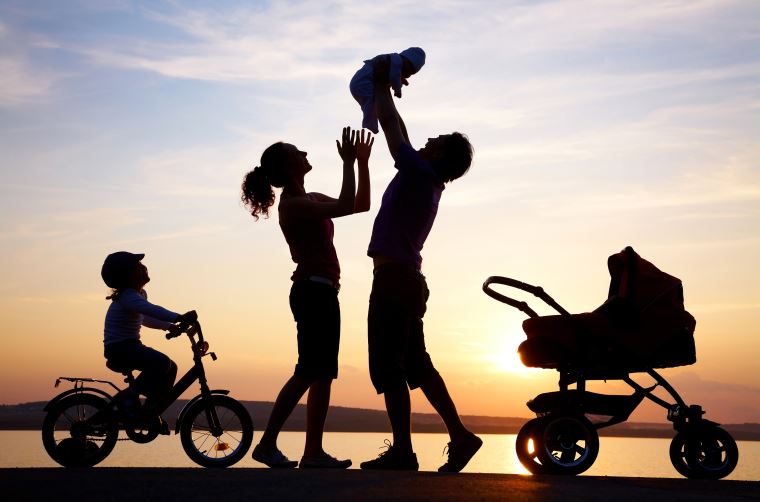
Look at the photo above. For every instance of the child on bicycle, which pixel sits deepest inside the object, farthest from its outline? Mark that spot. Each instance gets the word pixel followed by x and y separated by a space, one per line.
pixel 130 309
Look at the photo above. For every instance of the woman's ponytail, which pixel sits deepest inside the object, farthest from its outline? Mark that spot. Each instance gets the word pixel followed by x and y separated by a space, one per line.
pixel 257 195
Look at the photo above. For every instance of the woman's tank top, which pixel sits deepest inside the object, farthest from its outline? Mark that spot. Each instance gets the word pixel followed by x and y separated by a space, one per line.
pixel 311 247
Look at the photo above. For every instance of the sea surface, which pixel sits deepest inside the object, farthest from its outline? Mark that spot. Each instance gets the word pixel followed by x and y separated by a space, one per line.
pixel 637 457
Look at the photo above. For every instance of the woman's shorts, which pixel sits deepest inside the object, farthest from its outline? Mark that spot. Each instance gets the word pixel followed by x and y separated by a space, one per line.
pixel 316 311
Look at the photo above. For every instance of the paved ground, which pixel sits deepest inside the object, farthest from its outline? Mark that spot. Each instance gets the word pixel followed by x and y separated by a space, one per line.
pixel 144 485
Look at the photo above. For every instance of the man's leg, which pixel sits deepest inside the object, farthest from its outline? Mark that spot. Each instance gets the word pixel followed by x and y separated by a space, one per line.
pixel 436 392
pixel 388 325
pixel 399 408
pixel 464 444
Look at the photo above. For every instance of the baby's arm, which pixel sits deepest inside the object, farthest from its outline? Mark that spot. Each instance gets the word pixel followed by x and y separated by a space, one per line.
pixel 394 73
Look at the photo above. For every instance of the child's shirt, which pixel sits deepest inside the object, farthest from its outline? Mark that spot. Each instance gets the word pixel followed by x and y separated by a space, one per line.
pixel 130 310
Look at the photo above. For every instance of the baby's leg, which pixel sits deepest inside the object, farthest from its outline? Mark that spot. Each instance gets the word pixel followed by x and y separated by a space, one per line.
pixel 363 90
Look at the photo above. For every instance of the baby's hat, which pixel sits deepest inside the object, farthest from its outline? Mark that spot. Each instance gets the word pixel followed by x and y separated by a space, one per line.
pixel 416 56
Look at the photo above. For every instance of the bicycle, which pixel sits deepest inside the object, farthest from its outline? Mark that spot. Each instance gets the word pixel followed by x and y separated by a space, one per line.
pixel 82 424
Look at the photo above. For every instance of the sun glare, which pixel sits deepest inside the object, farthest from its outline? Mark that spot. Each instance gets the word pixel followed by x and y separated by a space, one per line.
pixel 505 356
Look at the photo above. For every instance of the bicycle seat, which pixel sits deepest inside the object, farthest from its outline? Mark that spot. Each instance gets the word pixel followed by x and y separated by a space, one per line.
pixel 124 370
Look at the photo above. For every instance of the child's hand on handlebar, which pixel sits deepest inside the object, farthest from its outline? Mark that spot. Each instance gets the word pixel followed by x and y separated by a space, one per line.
pixel 174 331
pixel 182 324
pixel 188 317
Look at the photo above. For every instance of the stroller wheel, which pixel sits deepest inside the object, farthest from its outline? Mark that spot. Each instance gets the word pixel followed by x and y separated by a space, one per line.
pixel 567 444
pixel 707 452
pixel 526 446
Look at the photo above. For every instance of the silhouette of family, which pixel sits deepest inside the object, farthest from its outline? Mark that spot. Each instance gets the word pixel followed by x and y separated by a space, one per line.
pixel 398 358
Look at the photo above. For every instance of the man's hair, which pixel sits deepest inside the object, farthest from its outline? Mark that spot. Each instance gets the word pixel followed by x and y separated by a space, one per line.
pixel 456 157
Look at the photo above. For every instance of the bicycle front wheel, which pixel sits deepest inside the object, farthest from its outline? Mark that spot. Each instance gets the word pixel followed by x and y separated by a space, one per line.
pixel 216 432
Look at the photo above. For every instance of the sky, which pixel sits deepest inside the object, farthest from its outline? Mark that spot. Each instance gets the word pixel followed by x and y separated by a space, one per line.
pixel 596 125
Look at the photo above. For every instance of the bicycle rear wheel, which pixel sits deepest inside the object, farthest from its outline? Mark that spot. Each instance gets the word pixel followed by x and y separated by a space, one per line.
pixel 74 436
pixel 216 433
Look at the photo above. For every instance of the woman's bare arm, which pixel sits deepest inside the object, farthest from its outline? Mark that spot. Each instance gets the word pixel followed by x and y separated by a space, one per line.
pixel 363 152
pixel 303 207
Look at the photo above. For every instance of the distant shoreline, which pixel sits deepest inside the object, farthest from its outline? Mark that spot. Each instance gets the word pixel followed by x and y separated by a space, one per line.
pixel 29 416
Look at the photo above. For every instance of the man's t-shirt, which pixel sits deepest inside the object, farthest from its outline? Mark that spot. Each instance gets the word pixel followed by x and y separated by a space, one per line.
pixel 407 211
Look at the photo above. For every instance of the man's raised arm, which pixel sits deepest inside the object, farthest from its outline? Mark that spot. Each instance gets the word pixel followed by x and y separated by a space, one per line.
pixel 393 127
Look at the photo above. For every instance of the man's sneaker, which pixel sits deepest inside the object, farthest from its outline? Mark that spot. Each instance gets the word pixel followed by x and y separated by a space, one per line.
pixel 393 459
pixel 461 452
pixel 323 462
pixel 272 457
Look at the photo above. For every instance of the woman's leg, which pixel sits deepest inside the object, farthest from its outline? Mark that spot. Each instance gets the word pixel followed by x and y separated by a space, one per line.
pixel 316 412
pixel 287 399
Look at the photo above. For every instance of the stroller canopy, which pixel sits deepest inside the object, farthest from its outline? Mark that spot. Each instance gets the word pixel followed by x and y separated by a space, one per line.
pixel 642 286
pixel 643 324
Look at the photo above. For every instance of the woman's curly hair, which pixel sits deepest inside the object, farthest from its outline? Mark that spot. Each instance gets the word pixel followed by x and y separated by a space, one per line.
pixel 257 188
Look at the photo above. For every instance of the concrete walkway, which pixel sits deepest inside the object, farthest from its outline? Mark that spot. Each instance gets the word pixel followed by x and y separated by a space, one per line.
pixel 145 484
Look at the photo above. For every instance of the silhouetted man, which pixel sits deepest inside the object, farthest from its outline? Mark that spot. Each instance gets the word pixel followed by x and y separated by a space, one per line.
pixel 398 360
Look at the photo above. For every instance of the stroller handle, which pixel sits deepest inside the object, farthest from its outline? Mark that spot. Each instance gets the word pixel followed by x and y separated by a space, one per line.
pixel 523 306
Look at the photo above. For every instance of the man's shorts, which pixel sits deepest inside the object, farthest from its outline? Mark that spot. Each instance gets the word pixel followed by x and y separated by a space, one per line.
pixel 316 310
pixel 397 353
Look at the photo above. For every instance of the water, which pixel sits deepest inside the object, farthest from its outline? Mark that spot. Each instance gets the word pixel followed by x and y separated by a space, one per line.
pixel 635 457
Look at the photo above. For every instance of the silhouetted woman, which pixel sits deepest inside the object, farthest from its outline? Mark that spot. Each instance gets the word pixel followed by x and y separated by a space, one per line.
pixel 305 220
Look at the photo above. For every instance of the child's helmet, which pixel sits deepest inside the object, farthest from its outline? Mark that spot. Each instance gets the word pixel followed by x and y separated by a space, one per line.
pixel 117 267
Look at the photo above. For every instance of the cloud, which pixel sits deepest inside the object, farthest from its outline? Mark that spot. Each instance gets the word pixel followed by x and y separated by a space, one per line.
pixel 20 80
pixel 303 40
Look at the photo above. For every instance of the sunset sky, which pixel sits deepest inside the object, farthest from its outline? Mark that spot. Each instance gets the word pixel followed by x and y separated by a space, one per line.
pixel 596 125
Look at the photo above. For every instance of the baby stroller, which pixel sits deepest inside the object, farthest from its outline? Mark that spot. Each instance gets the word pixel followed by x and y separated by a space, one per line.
pixel 642 326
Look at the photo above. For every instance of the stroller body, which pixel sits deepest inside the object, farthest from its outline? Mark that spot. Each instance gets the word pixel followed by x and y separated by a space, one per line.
pixel 642 326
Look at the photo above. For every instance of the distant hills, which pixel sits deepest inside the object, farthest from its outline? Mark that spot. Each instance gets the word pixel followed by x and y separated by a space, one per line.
pixel 29 416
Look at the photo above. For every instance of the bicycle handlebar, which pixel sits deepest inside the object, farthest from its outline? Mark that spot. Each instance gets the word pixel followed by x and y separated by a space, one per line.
pixel 188 322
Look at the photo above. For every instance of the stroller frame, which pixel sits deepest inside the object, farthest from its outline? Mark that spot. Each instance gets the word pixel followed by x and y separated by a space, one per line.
pixel 562 440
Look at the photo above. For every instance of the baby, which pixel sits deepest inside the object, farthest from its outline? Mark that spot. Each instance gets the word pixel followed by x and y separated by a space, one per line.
pixel 391 68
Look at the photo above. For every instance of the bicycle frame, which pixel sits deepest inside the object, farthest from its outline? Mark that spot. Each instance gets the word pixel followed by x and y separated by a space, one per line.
pixel 196 372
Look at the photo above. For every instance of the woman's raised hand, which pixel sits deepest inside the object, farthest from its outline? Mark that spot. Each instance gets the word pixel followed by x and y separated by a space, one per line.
pixel 347 147
pixel 364 146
